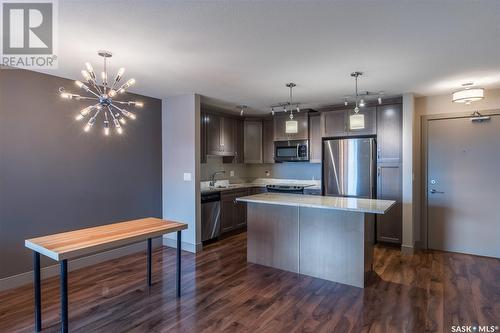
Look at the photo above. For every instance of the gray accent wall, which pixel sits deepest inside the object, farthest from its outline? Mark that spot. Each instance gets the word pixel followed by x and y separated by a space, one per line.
pixel 56 178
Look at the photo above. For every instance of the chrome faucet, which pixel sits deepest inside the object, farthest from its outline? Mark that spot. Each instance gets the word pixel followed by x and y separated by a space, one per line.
pixel 212 178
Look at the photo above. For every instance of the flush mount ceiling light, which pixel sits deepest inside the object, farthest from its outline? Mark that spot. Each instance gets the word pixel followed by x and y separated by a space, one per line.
pixel 291 126
pixel 468 94
pixel 104 94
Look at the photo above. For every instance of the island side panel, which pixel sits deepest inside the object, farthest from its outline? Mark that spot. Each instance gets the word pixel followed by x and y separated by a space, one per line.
pixel 332 245
pixel 273 236
pixel 369 242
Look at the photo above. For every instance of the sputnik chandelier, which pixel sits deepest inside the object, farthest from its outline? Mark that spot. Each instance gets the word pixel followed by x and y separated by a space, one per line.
pixel 104 95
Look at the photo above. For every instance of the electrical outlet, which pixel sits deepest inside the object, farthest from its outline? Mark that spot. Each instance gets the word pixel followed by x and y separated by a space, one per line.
pixel 231 173
pixel 268 173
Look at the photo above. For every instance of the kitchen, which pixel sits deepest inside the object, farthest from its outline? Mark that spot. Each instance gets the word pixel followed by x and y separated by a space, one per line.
pixel 242 172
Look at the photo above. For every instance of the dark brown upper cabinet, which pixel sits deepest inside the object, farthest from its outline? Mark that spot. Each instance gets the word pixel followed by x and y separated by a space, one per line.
pixel 337 123
pixel 220 135
pixel 389 133
pixel 268 140
pixel 333 123
pixel 253 141
pixel 315 138
pixel 280 127
pixel 240 142
pixel 203 138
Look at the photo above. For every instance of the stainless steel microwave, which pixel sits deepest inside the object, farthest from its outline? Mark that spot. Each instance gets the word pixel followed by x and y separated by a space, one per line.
pixel 291 151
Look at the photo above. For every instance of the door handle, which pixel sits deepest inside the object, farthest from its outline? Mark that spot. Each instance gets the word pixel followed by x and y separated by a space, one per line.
pixel 433 191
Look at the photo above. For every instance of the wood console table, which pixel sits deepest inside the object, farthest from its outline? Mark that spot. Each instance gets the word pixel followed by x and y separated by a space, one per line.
pixel 79 243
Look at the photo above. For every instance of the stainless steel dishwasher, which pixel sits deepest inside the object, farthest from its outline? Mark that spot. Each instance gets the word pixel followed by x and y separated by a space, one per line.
pixel 210 216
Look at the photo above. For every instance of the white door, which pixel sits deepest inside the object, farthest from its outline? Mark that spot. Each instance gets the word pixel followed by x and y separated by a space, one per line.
pixel 463 182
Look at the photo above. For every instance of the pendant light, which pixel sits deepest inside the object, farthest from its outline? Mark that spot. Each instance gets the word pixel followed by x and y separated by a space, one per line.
pixel 356 120
pixel 291 126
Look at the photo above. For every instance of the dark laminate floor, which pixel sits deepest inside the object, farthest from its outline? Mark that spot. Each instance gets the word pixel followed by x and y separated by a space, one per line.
pixel 429 291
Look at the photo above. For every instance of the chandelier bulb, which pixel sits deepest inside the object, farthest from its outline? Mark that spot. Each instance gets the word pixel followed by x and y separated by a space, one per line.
pixel 90 70
pixel 86 75
pixel 119 75
pixel 106 127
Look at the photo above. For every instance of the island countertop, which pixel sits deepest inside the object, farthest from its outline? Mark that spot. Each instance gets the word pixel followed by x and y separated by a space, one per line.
pixel 374 206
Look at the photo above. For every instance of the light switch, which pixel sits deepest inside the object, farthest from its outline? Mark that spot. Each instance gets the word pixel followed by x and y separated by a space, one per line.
pixel 231 173
pixel 187 176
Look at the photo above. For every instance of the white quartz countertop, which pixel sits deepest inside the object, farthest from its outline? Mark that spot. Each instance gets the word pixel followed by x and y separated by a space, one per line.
pixel 374 206
pixel 224 185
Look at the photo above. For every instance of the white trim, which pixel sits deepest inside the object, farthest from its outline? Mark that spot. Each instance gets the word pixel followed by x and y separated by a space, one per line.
pixel 185 246
pixel 18 280
pixel 407 250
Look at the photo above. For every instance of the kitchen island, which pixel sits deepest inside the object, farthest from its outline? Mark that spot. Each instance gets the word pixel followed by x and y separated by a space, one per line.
pixel 325 237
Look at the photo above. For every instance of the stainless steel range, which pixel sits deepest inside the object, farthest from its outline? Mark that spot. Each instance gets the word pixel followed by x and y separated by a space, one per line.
pixel 297 189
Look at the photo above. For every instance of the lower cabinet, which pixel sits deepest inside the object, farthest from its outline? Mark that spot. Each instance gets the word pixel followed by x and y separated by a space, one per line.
pixel 389 187
pixel 233 214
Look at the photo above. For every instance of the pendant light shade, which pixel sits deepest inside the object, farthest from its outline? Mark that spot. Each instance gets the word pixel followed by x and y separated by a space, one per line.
pixel 468 95
pixel 291 126
pixel 357 121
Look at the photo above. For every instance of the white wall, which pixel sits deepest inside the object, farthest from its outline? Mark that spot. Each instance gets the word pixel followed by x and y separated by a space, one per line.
pixel 439 104
pixel 181 154
pixel 408 243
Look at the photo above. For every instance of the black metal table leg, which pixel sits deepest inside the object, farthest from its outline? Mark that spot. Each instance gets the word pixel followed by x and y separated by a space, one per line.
pixel 178 263
pixel 38 291
pixel 64 296
pixel 149 262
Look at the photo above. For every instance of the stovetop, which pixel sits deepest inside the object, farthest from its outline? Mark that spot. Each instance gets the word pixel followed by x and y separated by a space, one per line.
pixel 286 187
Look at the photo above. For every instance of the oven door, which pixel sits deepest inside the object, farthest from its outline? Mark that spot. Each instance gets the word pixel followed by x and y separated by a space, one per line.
pixel 291 151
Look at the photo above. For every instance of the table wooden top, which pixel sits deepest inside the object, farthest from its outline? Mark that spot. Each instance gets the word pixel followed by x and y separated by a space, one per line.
pixel 78 243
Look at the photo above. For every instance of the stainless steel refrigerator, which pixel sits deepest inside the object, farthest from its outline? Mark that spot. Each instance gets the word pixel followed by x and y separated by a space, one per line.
pixel 349 167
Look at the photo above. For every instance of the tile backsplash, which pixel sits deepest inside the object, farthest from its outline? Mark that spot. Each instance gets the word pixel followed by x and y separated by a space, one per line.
pixel 249 172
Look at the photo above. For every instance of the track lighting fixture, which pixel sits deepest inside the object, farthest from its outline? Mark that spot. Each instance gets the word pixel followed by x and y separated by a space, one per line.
pixel 242 109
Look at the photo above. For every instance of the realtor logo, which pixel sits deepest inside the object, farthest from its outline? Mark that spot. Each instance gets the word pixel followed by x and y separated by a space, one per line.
pixel 29 33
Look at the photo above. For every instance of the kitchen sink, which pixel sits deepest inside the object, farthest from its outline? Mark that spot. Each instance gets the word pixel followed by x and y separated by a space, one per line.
pixel 225 186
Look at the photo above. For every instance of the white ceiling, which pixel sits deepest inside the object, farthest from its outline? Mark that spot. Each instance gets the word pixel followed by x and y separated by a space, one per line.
pixel 243 52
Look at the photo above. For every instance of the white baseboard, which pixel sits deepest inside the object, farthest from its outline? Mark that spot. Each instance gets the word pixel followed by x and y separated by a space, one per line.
pixel 53 270
pixel 407 250
pixel 190 247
